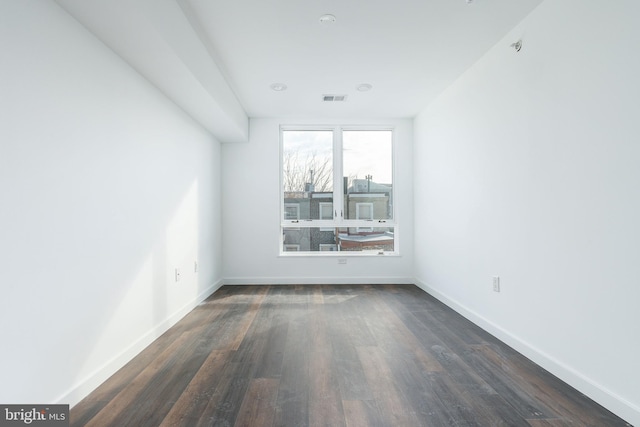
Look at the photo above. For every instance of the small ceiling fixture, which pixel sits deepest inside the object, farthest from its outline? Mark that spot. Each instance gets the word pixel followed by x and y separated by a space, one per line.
pixel 327 19
pixel 278 87
pixel 517 45
pixel 334 98
pixel 364 87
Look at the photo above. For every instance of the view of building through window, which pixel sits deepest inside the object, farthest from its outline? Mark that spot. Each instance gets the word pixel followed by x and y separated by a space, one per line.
pixel 337 190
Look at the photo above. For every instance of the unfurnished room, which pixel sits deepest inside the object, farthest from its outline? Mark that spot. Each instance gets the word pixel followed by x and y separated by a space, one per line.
pixel 320 213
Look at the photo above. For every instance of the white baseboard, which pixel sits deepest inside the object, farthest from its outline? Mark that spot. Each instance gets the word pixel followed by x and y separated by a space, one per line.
pixel 93 380
pixel 336 280
pixel 616 404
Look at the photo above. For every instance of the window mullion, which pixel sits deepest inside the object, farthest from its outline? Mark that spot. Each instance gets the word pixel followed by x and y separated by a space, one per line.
pixel 338 184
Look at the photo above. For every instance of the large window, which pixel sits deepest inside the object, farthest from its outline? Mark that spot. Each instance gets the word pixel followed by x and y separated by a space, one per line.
pixel 337 191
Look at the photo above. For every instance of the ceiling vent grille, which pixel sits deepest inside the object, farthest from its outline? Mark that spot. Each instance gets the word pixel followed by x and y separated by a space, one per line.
pixel 334 98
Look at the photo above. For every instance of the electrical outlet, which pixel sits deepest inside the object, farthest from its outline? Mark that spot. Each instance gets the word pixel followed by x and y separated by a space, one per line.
pixel 342 260
pixel 177 274
pixel 496 283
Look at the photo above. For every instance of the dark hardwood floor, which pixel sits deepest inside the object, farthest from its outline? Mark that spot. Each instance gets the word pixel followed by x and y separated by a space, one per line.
pixel 332 356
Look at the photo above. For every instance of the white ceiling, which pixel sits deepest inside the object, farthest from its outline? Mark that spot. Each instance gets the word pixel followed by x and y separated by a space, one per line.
pixel 409 50
pixel 218 58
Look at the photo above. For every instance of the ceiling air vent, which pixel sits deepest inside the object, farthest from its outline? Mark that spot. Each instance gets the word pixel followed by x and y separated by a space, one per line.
pixel 334 98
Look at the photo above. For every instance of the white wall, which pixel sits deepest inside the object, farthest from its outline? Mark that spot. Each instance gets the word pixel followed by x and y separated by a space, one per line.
pixel 251 215
pixel 106 187
pixel 158 39
pixel 527 168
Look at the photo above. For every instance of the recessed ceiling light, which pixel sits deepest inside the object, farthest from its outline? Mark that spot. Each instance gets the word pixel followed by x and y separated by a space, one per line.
pixel 278 87
pixel 327 19
pixel 364 87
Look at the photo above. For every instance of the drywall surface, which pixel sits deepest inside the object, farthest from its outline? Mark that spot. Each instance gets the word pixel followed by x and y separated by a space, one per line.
pixel 251 214
pixel 106 188
pixel 158 40
pixel 527 169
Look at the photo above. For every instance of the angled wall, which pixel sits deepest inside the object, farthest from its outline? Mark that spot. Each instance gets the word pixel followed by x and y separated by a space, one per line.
pixel 106 188
pixel 527 168
pixel 161 41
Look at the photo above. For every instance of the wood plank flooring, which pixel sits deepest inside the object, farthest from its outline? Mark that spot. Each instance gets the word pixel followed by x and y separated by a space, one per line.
pixel 332 356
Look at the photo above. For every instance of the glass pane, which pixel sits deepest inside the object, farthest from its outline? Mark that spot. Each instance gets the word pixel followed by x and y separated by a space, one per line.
pixel 311 239
pixel 368 174
pixel 375 239
pixel 307 171
pixel 350 239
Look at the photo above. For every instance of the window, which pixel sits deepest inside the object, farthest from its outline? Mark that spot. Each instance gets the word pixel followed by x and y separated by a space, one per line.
pixel 364 211
pixel 326 213
pixel 326 210
pixel 328 247
pixel 292 212
pixel 337 190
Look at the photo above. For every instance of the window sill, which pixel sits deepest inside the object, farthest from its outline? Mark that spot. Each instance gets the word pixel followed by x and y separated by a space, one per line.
pixel 335 254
